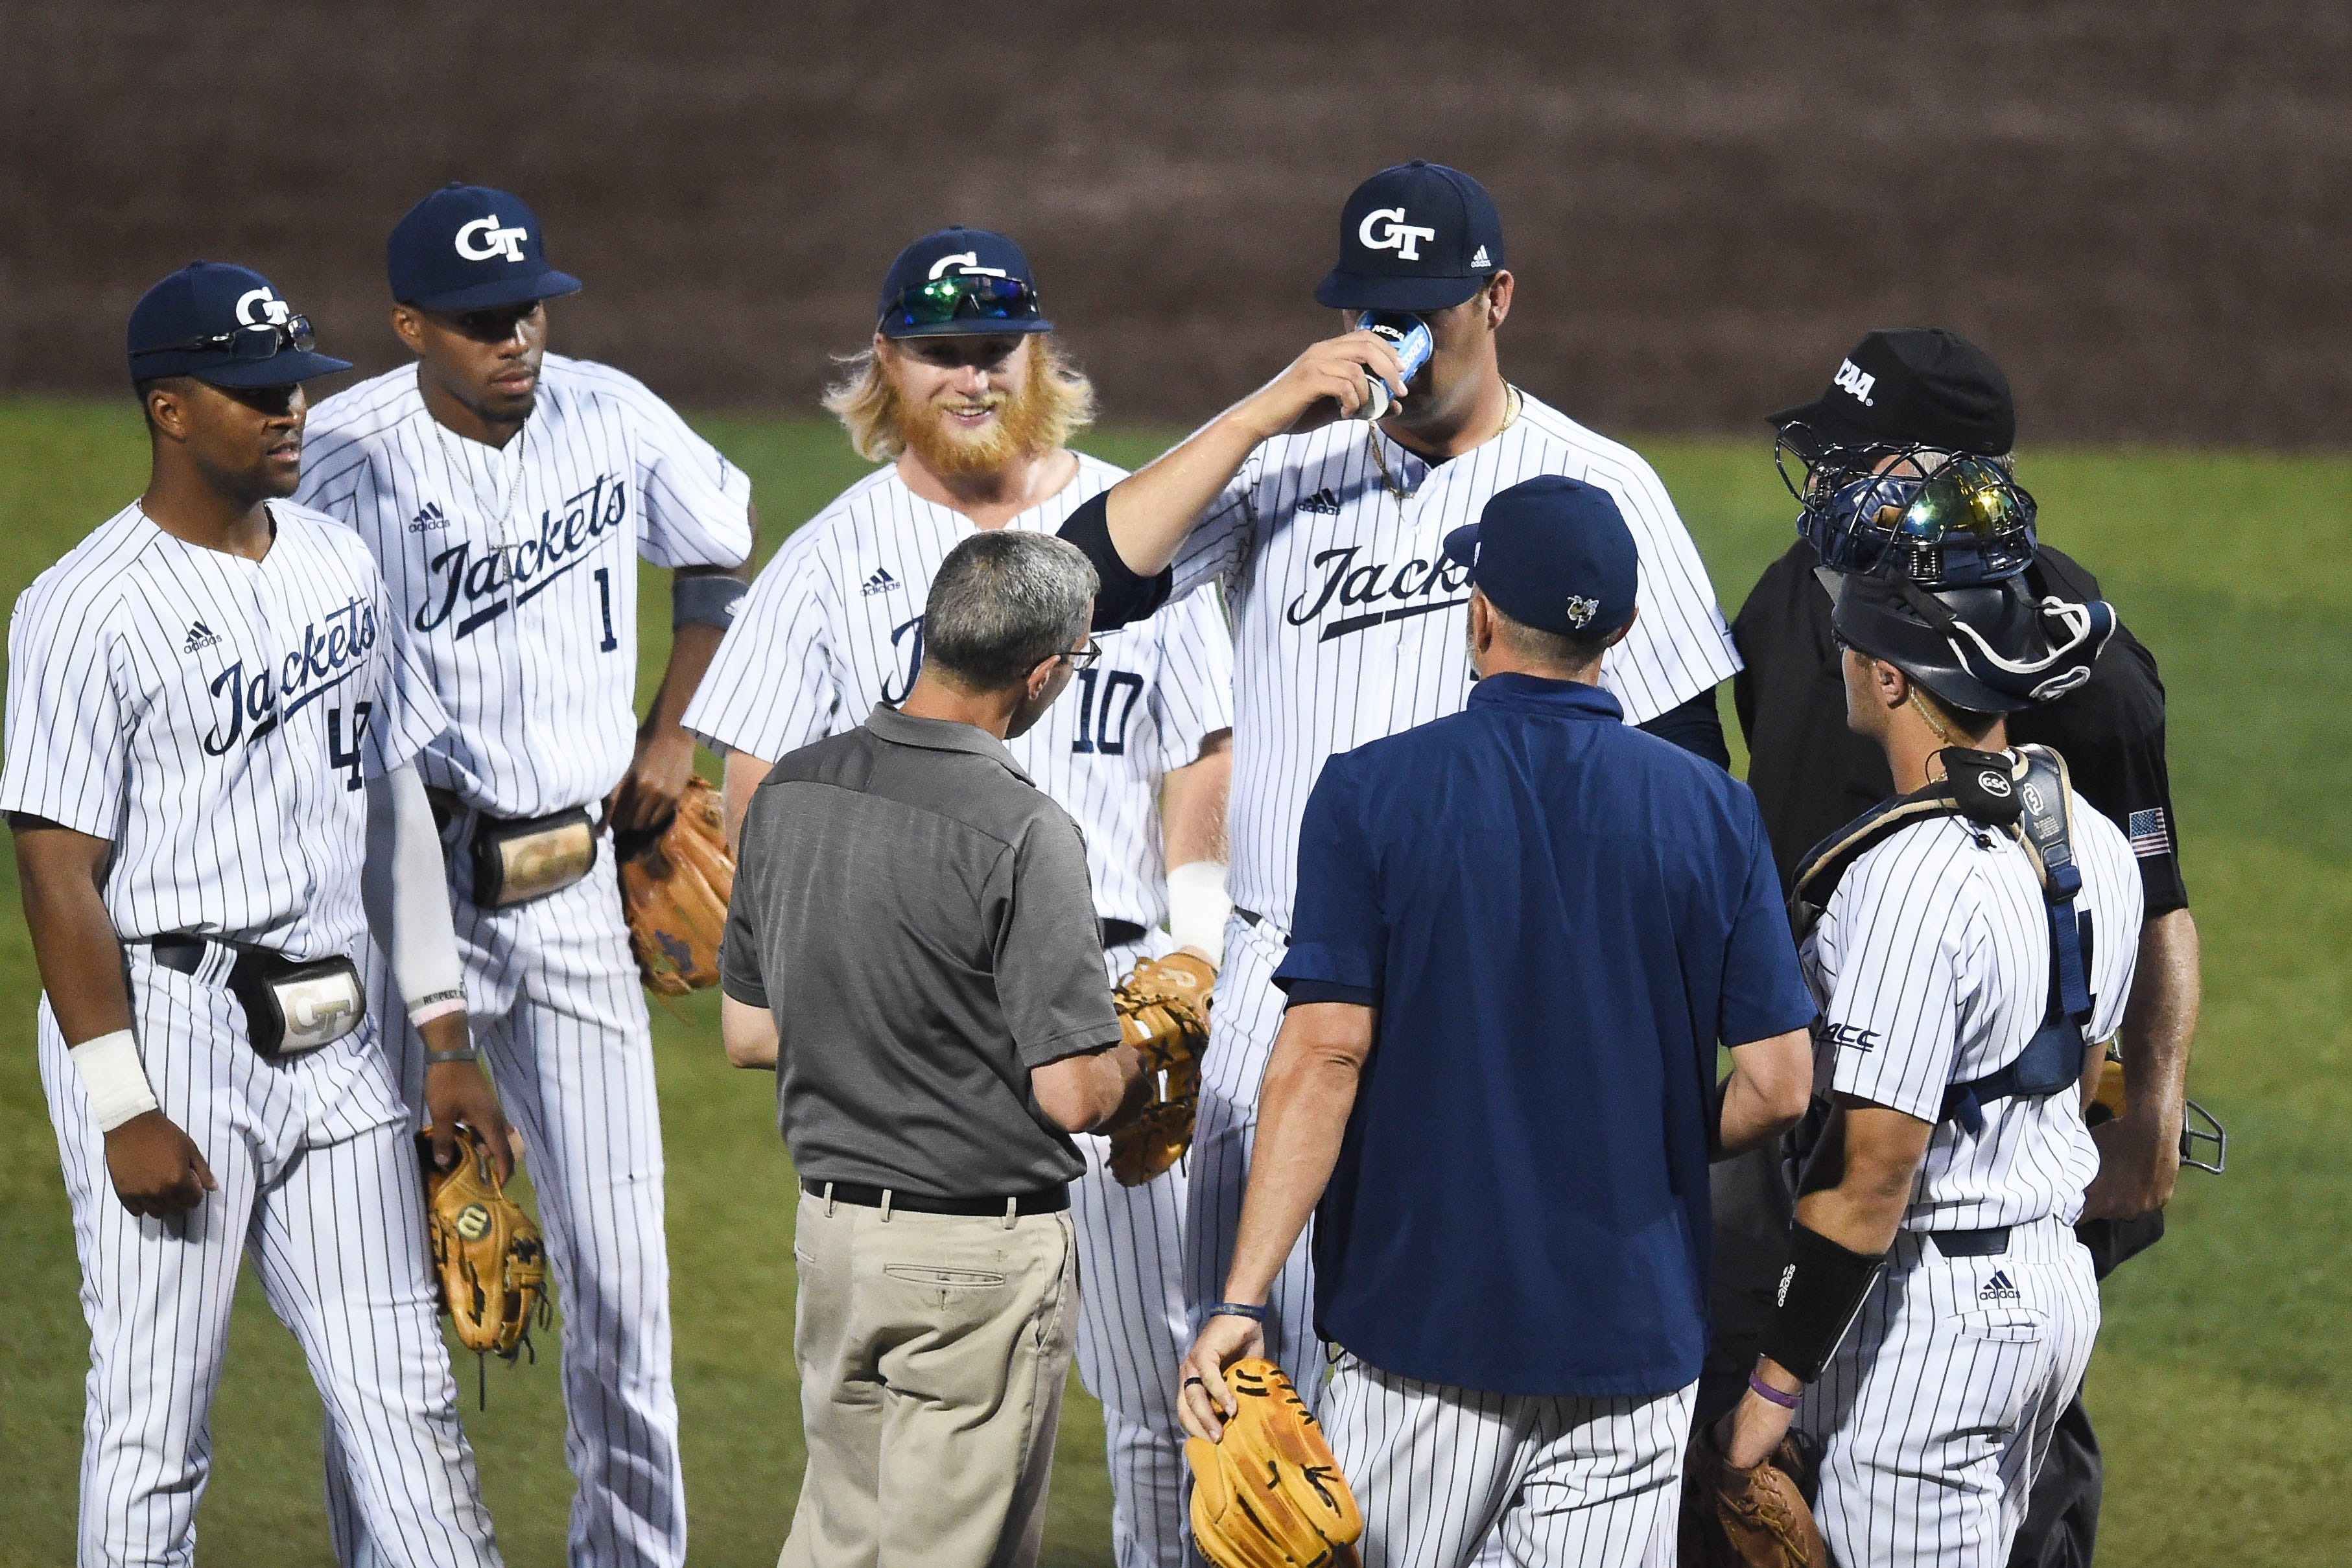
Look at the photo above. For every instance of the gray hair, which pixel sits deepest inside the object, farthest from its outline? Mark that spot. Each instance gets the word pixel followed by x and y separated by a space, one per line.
pixel 1003 602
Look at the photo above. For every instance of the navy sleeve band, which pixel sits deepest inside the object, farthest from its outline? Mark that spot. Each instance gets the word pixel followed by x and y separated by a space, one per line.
pixel 1125 596
pixel 1299 992
pixel 1695 727
pixel 1821 1295
pixel 704 599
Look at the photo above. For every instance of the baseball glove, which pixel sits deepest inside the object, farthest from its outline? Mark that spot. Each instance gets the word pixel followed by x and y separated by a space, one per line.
pixel 1746 1518
pixel 1268 1494
pixel 487 1260
pixel 1163 1012
pixel 674 891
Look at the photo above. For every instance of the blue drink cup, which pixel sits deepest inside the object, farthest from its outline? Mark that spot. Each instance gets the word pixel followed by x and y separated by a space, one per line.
pixel 1409 336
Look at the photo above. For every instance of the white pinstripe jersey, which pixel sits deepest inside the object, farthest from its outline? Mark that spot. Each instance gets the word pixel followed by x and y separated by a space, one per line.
pixel 1932 967
pixel 533 648
pixel 214 718
pixel 834 626
pixel 1347 618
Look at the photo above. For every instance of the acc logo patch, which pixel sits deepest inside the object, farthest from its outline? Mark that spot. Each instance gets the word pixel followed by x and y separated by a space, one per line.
pixel 1581 611
pixel 473 1222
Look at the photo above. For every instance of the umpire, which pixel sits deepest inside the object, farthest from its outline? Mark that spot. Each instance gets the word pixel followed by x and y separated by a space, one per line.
pixel 1907 404
pixel 917 914
pixel 1521 932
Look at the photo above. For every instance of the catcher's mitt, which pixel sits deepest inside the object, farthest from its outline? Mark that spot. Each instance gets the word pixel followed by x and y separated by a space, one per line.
pixel 674 889
pixel 487 1260
pixel 1268 1494
pixel 1163 1012
pixel 1746 1518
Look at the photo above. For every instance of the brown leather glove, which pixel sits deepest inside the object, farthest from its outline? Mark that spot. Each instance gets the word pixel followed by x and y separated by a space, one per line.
pixel 1267 1493
pixel 1746 1518
pixel 1163 1012
pixel 675 893
pixel 487 1259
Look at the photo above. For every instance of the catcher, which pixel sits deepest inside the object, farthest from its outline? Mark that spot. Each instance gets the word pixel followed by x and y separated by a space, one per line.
pixel 1508 1191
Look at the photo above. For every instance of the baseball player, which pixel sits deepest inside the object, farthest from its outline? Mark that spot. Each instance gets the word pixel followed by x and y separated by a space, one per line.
pixel 1971 945
pixel 1902 400
pixel 964 397
pixel 507 494
pixel 1327 544
pixel 209 728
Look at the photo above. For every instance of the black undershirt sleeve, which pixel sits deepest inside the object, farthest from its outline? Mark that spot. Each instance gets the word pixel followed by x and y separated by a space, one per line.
pixel 1695 727
pixel 1125 596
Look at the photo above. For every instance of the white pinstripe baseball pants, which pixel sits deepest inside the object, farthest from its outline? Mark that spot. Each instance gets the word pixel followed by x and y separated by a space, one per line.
pixel 1131 1331
pixel 1243 1024
pixel 319 1186
pixel 1937 1410
pixel 560 1015
pixel 1557 1479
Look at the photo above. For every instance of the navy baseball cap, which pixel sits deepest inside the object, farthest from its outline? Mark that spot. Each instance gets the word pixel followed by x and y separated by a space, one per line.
pixel 1908 386
pixel 223 325
pixel 958 282
pixel 468 248
pixel 1420 237
pixel 1553 553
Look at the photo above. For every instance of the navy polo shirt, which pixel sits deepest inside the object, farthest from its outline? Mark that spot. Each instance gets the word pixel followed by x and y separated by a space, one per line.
pixel 1559 917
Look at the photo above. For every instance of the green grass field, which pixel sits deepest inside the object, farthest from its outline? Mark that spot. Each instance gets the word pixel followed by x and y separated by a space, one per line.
pixel 2222 1390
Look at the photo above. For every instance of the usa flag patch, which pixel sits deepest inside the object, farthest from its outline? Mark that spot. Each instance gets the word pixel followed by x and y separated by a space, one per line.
pixel 2150 834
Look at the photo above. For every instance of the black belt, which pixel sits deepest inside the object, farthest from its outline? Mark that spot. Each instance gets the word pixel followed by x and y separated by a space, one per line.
pixel 1048 1200
pixel 1987 1243
pixel 184 954
pixel 1119 933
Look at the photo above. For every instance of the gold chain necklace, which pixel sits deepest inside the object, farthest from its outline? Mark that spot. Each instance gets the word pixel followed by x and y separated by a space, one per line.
pixel 1512 402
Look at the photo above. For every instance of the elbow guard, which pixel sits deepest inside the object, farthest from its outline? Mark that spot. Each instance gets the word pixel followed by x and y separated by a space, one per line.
pixel 1124 595
pixel 1820 1293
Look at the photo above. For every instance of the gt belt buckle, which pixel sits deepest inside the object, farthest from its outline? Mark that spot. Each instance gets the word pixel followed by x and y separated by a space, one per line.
pixel 319 1003
pixel 516 862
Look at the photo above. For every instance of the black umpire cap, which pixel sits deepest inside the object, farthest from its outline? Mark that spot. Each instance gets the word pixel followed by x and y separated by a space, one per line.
pixel 1908 386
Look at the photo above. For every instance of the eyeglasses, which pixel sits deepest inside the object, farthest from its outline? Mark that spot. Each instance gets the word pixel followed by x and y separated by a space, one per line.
pixel 978 297
pixel 1084 658
pixel 244 343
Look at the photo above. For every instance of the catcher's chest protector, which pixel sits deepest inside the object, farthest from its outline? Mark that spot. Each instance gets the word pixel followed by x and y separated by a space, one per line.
pixel 2028 799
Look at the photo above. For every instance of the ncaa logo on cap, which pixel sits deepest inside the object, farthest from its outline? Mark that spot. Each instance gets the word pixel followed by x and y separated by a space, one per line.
pixel 1384 228
pixel 484 237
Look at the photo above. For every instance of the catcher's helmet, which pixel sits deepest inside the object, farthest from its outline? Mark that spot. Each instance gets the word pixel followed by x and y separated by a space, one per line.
pixel 1992 648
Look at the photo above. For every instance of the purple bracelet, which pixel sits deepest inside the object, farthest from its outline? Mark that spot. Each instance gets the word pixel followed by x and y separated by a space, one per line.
pixel 1764 1390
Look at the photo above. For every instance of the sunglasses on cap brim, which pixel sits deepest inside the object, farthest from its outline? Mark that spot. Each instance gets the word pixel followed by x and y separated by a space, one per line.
pixel 967 297
pixel 244 344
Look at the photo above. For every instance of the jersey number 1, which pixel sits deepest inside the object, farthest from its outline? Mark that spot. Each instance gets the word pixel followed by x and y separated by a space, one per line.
pixel 604 605
pixel 338 754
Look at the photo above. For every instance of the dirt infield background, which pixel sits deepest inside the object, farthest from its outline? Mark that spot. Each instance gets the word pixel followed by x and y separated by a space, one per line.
pixel 2139 206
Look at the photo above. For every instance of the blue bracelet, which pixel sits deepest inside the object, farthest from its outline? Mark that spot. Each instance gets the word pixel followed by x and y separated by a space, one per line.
pixel 1237 1309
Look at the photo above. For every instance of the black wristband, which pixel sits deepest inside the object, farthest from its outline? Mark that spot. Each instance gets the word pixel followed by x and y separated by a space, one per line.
pixel 705 599
pixel 1821 1291
pixel 1125 596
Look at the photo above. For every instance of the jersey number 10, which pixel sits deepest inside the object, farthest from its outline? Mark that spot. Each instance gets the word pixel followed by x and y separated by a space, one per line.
pixel 1096 725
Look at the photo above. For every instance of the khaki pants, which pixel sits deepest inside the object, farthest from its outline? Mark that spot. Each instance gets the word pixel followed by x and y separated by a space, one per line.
pixel 932 1350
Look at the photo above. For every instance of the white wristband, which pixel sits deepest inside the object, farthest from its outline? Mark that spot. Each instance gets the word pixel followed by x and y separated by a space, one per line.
pixel 115 1079
pixel 1198 907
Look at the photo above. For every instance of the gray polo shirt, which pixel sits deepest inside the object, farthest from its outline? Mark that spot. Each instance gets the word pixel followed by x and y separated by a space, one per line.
pixel 917 914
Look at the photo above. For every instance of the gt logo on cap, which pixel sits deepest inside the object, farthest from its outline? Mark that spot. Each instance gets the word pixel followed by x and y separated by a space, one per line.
pixel 1384 228
pixel 967 264
pixel 494 241
pixel 1581 611
pixel 260 308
